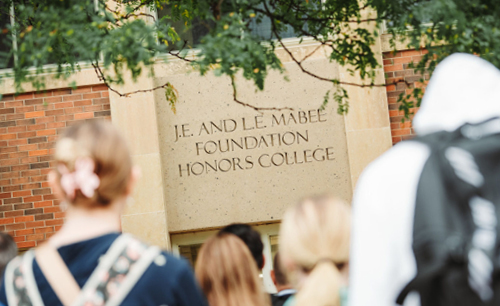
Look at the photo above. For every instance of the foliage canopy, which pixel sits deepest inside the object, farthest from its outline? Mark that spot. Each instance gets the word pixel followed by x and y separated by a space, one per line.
pixel 234 36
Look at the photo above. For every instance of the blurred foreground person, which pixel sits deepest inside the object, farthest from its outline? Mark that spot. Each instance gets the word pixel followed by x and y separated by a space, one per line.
pixel 283 287
pixel 251 238
pixel 8 250
pixel 314 250
pixel 227 274
pixel 425 213
pixel 88 261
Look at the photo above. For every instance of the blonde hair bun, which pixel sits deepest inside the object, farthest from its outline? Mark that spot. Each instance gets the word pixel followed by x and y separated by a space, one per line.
pixel 100 141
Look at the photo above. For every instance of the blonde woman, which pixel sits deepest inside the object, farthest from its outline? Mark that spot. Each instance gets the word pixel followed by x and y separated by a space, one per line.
pixel 314 248
pixel 88 261
pixel 227 273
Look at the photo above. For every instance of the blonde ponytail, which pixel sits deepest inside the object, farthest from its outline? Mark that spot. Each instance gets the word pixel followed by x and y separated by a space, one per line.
pixel 314 236
pixel 321 287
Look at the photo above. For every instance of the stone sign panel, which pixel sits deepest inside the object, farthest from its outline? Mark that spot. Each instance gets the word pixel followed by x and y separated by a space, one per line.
pixel 224 163
pixel 209 153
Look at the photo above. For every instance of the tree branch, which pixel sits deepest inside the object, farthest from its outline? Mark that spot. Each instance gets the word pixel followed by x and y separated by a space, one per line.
pixel 309 55
pixel 102 78
pixel 256 108
pixel 299 63
pixel 177 53
pixel 129 15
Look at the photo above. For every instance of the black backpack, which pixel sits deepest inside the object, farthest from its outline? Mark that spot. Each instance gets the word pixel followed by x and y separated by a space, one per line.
pixel 456 231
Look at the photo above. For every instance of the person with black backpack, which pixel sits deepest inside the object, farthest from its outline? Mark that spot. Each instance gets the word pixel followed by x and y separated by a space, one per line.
pixel 425 214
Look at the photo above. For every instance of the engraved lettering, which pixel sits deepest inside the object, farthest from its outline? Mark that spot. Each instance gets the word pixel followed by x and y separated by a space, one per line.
pixel 306 156
pixel 236 162
pixel 260 161
pixel 217 128
pixel 232 125
pixel 198 147
pixel 329 151
pixel 291 139
pixel 322 158
pixel 213 167
pixel 240 145
pixel 312 114
pixel 207 150
pixel 194 171
pixel 249 162
pixel 276 121
pixel 302 117
pixel 275 157
pixel 185 130
pixel 259 124
pixel 245 127
pixel 228 164
pixel 176 133
pixel 254 142
pixel 305 138
pixel 221 146
pixel 203 128
pixel 187 170
pixel 321 113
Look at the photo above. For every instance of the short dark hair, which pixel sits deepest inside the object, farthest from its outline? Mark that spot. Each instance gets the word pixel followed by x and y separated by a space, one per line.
pixel 278 272
pixel 8 250
pixel 250 237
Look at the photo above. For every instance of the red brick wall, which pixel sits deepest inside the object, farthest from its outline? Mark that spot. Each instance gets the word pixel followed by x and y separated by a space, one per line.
pixel 396 67
pixel 29 125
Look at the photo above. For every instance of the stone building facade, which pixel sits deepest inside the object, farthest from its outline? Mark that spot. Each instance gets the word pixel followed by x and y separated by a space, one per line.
pixel 213 162
pixel 30 123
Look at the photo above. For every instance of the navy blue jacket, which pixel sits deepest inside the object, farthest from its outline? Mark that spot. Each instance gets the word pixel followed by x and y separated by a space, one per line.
pixel 172 284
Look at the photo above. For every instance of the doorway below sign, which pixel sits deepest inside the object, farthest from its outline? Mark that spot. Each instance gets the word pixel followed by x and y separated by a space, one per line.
pixel 189 244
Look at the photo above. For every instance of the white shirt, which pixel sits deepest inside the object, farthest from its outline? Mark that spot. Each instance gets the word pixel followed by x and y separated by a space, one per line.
pixel 382 260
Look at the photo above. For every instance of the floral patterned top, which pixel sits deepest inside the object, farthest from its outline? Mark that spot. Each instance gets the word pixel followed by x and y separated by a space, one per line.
pixel 166 281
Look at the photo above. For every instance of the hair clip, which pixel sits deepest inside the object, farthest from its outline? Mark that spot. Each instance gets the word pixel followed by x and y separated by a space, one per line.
pixel 82 178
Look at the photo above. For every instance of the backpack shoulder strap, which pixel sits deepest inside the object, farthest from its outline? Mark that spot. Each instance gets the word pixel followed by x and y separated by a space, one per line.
pixel 20 284
pixel 117 272
pixel 57 274
pixel 438 140
pixel 137 269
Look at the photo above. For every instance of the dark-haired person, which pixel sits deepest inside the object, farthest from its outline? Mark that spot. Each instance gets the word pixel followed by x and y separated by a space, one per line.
pixel 283 287
pixel 251 238
pixel 8 250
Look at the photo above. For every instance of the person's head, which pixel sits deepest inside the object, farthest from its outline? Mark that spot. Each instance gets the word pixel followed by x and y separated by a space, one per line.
pixel 463 86
pixel 314 249
pixel 251 238
pixel 93 166
pixel 278 275
pixel 226 273
pixel 8 250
